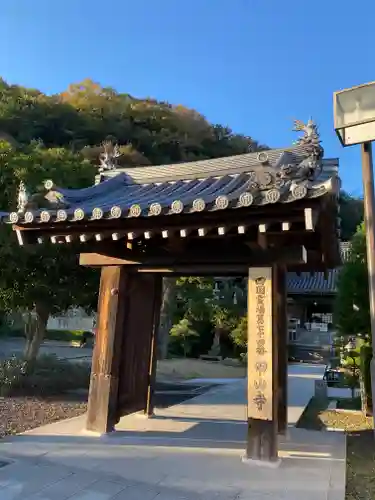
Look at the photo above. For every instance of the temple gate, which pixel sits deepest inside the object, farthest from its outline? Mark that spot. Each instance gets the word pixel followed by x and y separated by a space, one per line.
pixel 256 215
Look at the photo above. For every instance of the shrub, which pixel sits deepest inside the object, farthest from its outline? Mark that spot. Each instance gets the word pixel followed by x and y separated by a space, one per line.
pixel 12 371
pixel 65 335
pixel 239 334
pixel 48 375
pixel 7 331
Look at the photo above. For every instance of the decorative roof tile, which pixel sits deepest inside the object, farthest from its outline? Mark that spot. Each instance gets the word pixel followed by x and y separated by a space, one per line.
pixel 270 177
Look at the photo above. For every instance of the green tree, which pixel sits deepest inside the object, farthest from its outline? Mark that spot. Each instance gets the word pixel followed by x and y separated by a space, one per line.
pixel 44 278
pixel 183 330
pixel 228 304
pixel 166 316
pixel 351 214
pixel 351 311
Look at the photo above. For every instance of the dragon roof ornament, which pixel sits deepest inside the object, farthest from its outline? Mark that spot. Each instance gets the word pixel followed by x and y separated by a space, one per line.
pixel 310 139
pixel 22 198
pixel 108 158
pixel 311 166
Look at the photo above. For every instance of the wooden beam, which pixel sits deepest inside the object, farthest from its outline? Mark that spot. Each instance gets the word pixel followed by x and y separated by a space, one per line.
pixel 289 255
pixel 99 260
pixel 262 404
pixel 157 297
pixel 281 325
pixel 102 403
pixel 262 240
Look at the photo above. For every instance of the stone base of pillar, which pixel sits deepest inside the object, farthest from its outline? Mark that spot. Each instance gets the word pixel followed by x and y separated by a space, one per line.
pixel 261 463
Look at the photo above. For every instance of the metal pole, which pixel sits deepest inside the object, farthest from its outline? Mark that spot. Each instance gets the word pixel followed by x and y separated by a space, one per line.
pixel 369 206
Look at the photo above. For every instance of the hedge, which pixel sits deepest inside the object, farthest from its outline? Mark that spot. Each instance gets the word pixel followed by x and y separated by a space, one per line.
pixel 61 335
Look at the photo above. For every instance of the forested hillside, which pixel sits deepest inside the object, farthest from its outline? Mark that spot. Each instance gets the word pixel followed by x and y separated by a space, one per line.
pixel 59 137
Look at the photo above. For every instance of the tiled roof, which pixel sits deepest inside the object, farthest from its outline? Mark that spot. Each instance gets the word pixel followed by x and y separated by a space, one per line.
pixel 211 168
pixel 306 283
pixel 312 284
pixel 269 177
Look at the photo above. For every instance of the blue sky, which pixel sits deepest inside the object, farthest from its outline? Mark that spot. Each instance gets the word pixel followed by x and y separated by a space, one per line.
pixel 254 65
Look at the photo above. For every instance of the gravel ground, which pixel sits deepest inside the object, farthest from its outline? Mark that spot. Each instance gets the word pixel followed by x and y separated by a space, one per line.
pixel 19 414
pixel 23 413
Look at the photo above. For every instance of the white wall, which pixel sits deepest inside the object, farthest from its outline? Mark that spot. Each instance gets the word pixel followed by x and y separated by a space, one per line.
pixel 75 319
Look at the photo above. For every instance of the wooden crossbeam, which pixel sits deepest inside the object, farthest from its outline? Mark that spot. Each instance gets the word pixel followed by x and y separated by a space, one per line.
pixel 289 255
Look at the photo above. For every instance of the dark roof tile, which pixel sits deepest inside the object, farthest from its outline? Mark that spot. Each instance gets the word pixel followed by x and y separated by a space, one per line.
pixel 312 284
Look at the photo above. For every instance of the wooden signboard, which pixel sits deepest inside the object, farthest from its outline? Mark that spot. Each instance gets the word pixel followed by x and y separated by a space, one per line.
pixel 260 345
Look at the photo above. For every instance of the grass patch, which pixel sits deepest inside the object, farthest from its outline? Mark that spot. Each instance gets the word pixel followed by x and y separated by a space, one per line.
pixel 186 368
pixel 317 416
pixel 360 465
pixel 360 458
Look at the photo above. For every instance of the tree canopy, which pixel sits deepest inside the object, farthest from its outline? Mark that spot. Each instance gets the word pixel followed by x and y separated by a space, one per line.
pixel 351 312
pixel 87 113
pixel 45 278
pixel 351 213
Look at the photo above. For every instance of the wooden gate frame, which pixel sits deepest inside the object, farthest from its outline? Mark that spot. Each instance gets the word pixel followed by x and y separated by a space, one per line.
pixel 256 215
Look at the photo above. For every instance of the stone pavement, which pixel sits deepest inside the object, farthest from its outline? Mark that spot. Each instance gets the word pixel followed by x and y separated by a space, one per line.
pixel 189 451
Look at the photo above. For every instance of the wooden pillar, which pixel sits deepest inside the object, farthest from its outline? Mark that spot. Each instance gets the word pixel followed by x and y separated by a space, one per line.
pixel 138 354
pixel 280 288
pixel 102 404
pixel 262 405
pixel 156 308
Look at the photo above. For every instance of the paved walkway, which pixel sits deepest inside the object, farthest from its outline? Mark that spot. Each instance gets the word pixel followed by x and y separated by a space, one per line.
pixel 15 346
pixel 190 451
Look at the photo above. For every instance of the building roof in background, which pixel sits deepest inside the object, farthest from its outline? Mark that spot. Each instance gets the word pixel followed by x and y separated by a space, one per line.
pixel 307 283
pixel 312 284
